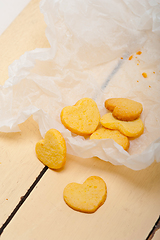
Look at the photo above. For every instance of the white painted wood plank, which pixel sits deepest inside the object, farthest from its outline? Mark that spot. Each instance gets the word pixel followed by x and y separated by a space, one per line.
pixel 130 211
pixel 26 33
pixel 18 163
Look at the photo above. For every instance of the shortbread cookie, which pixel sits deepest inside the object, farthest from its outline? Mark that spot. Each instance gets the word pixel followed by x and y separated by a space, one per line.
pixel 103 133
pixel 86 197
pixel 51 150
pixel 82 118
pixel 124 109
pixel 128 128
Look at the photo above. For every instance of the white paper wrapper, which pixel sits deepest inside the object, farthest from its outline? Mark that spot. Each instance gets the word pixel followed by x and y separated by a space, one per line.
pixel 88 38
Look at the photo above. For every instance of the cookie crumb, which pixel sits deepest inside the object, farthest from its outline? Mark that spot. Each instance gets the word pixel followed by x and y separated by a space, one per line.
pixel 130 57
pixel 153 72
pixel 149 86
pixel 144 75
pixel 121 57
pixel 137 81
pixel 139 53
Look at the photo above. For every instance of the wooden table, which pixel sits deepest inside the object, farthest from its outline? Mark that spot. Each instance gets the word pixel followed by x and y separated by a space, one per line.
pixel 133 202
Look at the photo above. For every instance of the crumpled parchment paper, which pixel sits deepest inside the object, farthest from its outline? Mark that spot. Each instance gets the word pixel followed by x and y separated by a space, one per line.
pixel 91 41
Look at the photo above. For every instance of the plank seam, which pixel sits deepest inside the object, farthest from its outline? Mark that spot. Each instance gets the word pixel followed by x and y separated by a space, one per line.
pixel 22 199
pixel 154 229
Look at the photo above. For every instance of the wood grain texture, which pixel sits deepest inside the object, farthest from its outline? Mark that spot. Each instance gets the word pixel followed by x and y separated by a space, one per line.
pixel 130 210
pixel 18 164
pixel 25 33
pixel 133 201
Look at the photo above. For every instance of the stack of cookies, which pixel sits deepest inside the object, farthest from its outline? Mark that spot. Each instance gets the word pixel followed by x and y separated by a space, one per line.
pixel 122 122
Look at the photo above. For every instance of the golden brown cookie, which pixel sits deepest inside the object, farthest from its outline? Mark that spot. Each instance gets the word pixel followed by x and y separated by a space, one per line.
pixel 124 109
pixel 86 197
pixel 51 150
pixel 82 118
pixel 128 128
pixel 103 133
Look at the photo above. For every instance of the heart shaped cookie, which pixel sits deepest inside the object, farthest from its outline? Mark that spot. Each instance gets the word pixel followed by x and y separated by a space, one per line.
pixel 86 197
pixel 51 150
pixel 103 133
pixel 128 128
pixel 124 109
pixel 82 118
